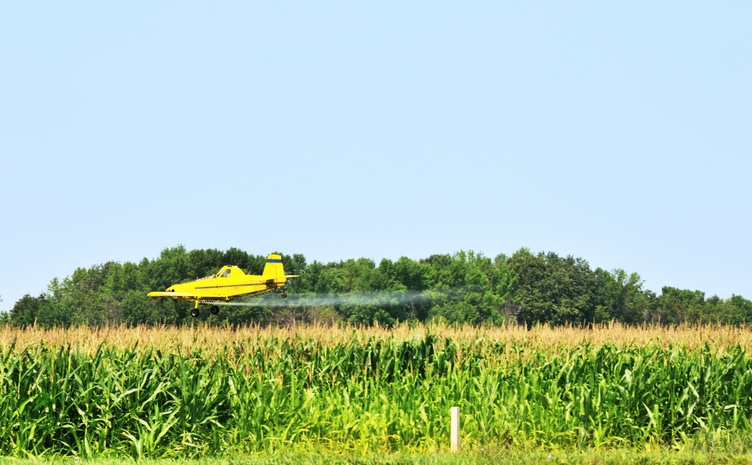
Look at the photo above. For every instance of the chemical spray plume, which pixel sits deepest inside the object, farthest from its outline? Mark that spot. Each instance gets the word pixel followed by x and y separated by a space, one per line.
pixel 382 298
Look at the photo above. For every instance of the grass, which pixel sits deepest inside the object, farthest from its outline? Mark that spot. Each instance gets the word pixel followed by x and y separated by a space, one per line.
pixel 492 457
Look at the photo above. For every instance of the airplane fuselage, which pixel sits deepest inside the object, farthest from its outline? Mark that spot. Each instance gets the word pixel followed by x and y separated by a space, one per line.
pixel 229 282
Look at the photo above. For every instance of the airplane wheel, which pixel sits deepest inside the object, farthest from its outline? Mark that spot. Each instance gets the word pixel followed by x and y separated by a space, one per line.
pixel 214 309
pixel 194 312
pixel 283 294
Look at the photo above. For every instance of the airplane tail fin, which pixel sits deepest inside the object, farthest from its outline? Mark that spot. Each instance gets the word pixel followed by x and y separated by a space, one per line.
pixel 275 270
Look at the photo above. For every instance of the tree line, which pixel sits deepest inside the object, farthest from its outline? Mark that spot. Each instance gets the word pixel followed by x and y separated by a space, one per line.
pixel 464 287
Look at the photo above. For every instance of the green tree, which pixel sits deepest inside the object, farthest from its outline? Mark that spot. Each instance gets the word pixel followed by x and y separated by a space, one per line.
pixel 41 311
pixel 468 287
pixel 171 267
pixel 138 309
pixel 24 312
pixel 463 287
pixel 551 289
pixel 249 263
pixel 330 281
pixel 739 310
pixel 619 296
pixel 358 275
pixel 734 311
pixel 205 262
pixel 402 278
pixel 409 273
pixel 675 306
pixel 308 281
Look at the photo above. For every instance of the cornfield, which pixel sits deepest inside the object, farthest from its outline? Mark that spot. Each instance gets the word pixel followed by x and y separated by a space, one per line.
pixel 201 391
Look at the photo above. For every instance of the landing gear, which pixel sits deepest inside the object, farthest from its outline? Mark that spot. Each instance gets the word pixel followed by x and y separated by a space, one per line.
pixel 214 310
pixel 283 293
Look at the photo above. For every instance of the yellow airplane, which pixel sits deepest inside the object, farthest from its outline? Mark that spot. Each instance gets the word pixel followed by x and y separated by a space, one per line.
pixel 228 282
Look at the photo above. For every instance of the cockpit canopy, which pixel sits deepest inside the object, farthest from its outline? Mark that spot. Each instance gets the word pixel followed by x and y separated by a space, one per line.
pixel 229 270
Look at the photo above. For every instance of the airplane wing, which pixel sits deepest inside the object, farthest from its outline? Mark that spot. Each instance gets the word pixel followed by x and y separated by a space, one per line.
pixel 182 295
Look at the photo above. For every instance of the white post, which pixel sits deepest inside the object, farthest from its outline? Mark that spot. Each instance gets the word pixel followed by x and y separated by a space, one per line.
pixel 454 413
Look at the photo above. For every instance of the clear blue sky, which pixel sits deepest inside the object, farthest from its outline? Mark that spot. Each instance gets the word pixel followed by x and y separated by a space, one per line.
pixel 618 132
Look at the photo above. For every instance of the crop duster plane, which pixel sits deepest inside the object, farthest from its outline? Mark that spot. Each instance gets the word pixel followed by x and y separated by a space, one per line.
pixel 228 283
